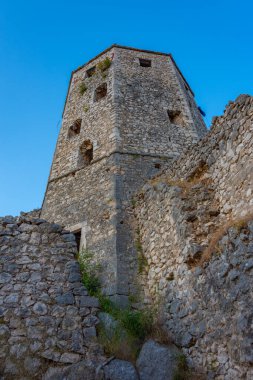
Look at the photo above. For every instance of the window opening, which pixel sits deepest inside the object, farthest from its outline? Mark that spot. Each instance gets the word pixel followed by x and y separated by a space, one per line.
pixel 85 153
pixel 175 117
pixel 75 128
pixel 101 92
pixel 90 72
pixel 78 239
pixel 145 62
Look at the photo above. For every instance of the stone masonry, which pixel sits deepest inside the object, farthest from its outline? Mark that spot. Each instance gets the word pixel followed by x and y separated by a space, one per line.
pixel 195 226
pixel 164 206
pixel 47 318
pixel 131 117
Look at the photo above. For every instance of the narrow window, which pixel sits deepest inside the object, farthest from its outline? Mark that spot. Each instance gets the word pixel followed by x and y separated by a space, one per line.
pixel 175 117
pixel 100 92
pixel 75 128
pixel 90 72
pixel 78 239
pixel 85 153
pixel 145 62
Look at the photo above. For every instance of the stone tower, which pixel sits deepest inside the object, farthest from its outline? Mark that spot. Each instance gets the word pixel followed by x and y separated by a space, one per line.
pixel 128 113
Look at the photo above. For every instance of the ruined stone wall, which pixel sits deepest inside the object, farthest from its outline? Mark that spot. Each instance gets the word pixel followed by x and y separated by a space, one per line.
pixel 47 318
pixel 226 155
pixel 196 236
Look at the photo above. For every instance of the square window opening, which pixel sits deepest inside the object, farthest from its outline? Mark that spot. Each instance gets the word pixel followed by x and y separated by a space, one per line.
pixel 175 117
pixel 100 92
pixel 75 128
pixel 90 72
pixel 85 153
pixel 145 62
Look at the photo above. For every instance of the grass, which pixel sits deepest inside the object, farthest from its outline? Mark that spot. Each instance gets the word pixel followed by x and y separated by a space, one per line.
pixel 82 88
pixel 195 178
pixel 137 324
pixel 220 232
pixel 142 261
pixel 104 65
pixel 86 108
pixel 134 325
pixel 124 349
pixel 89 272
pixel 182 372
pixel 133 202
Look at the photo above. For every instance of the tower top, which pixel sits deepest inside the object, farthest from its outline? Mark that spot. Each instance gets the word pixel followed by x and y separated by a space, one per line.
pixel 153 52
pixel 134 49
pixel 138 50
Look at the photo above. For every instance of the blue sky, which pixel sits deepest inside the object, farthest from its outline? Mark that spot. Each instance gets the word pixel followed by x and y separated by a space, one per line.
pixel 41 42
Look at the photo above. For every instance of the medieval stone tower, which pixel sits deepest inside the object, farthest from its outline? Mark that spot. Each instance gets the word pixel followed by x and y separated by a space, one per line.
pixel 128 113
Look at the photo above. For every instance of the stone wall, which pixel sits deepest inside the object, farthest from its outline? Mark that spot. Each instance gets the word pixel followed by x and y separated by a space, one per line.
pixel 143 97
pixel 226 154
pixel 196 235
pixel 46 317
pixel 132 139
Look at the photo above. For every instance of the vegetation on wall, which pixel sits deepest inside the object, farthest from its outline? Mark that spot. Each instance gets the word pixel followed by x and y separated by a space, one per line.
pixel 82 88
pixel 212 247
pixel 142 261
pixel 134 325
pixel 104 65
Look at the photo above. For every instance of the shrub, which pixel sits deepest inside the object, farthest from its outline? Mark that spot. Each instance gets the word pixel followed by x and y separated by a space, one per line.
pixel 124 349
pixel 89 271
pixel 138 323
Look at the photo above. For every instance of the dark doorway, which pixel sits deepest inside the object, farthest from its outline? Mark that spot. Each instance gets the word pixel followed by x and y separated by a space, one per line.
pixel 78 239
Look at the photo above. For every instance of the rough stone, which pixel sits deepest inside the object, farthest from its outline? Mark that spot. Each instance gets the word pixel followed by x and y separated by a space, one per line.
pixel 156 361
pixel 120 370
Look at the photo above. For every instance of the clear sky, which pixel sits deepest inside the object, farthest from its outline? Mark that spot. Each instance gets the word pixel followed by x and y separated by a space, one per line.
pixel 41 42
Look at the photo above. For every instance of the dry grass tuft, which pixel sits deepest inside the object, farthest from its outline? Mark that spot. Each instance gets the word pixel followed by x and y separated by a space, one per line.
pixel 185 185
pixel 194 178
pixel 220 232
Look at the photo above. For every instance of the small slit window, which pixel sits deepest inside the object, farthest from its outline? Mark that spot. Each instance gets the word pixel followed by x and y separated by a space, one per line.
pixel 90 72
pixel 100 92
pixel 175 117
pixel 145 62
pixel 75 128
pixel 78 239
pixel 85 153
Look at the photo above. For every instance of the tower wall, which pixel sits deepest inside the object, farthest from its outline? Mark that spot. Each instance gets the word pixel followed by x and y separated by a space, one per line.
pixel 134 133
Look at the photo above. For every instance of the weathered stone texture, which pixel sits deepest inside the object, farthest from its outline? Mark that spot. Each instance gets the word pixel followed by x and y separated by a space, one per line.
pixel 186 239
pixel 226 153
pixel 45 312
pixel 132 138
pixel 201 206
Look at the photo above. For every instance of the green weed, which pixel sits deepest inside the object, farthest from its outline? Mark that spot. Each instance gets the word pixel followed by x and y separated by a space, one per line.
pixel 82 88
pixel 104 65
